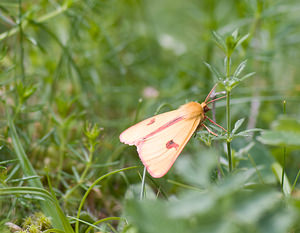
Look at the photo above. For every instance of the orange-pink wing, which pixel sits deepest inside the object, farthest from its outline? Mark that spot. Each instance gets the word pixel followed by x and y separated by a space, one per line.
pixel 160 139
pixel 136 132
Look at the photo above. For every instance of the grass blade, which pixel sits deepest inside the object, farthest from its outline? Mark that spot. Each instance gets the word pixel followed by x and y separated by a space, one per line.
pixel 29 171
pixel 90 189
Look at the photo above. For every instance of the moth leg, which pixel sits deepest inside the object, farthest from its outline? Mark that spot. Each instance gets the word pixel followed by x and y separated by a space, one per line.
pixel 215 123
pixel 209 130
pixel 197 129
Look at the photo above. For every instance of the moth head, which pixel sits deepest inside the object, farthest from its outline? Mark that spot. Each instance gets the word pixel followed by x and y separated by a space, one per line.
pixel 205 107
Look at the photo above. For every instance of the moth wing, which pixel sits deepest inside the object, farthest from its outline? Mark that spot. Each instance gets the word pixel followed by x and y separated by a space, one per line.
pixel 140 130
pixel 159 152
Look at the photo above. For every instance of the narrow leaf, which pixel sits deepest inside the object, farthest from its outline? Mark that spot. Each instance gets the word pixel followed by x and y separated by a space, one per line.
pixel 247 76
pixel 24 178
pixel 23 159
pixel 277 169
pixel 235 34
pixel 214 71
pixel 241 40
pixel 227 62
pixel 246 133
pixel 29 171
pixel 240 68
pixel 25 191
pixel 237 125
pixel 90 189
pixel 53 230
pixel 219 40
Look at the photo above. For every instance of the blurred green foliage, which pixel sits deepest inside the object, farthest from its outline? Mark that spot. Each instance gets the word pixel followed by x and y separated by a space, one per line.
pixel 74 74
pixel 236 204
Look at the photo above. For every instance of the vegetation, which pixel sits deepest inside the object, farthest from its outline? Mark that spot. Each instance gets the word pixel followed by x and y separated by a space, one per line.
pixel 75 74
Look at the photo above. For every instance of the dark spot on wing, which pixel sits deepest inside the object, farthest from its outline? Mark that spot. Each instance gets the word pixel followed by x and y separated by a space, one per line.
pixel 171 144
pixel 151 122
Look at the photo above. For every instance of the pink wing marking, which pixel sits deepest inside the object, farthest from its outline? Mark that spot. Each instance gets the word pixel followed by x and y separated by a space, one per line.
pixel 168 124
pixel 151 122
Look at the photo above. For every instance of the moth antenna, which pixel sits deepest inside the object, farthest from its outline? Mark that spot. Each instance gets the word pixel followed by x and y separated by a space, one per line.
pixel 216 99
pixel 207 97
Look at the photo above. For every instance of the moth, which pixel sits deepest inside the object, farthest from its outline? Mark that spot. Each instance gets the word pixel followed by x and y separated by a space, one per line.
pixel 161 138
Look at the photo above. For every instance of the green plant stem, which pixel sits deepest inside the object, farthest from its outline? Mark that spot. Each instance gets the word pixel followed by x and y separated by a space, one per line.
pixel 284 153
pixel 61 158
pixel 229 156
pixel 142 194
pixel 21 42
pixel 228 117
pixel 295 181
pixel 255 23
pixel 283 166
pixel 17 109
pixel 228 113
pixel 89 163
pixel 228 66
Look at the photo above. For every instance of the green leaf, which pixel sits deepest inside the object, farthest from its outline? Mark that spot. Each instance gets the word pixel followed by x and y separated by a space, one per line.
pixel 94 225
pixel 25 91
pixel 247 132
pixel 277 169
pixel 287 123
pixel 279 221
pixel 205 137
pixel 21 155
pixel 219 40
pixel 252 206
pixel 241 40
pixel 237 125
pixel 235 34
pixel 231 82
pixel 53 231
pixel 283 138
pixel 24 179
pixel 233 41
pixel 40 192
pixel 191 204
pixel 296 179
pixel 285 132
pixel 198 170
pixel 247 76
pixel 240 68
pixel 214 71
pixel 152 216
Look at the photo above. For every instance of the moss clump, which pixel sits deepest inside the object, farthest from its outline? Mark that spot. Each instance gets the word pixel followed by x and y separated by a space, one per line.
pixel 35 223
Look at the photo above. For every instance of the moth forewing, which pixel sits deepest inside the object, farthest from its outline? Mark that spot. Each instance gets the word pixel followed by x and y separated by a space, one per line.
pixel 161 138
pixel 159 152
pixel 140 130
